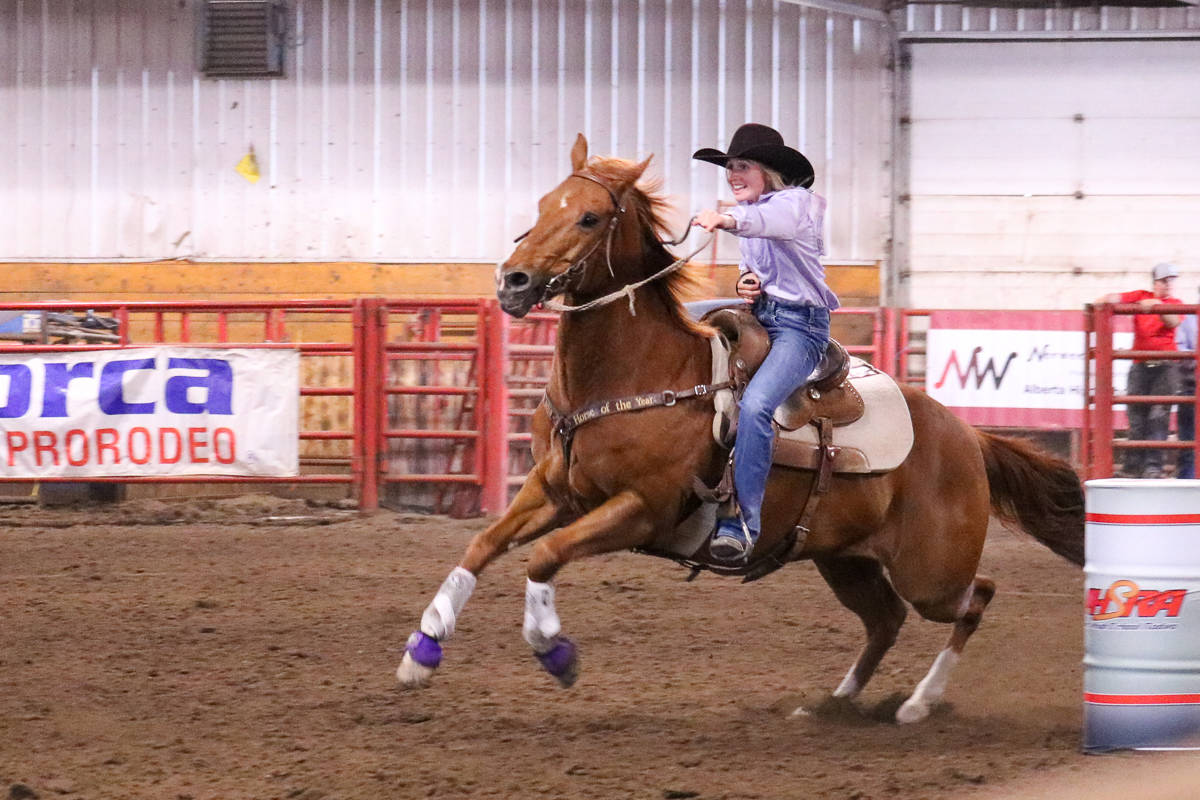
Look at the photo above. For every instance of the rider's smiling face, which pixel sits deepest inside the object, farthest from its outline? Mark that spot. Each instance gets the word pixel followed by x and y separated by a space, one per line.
pixel 746 179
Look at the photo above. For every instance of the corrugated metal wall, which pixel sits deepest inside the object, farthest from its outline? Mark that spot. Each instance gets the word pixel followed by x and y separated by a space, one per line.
pixel 413 130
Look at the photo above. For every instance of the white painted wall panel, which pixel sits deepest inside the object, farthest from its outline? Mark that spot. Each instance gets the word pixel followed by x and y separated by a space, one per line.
pixel 1049 173
pixel 413 130
pixel 1044 117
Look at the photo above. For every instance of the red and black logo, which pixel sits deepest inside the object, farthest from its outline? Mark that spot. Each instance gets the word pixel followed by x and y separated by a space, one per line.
pixel 1126 599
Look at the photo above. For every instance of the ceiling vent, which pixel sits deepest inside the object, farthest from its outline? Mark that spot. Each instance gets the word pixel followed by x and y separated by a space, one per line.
pixel 242 38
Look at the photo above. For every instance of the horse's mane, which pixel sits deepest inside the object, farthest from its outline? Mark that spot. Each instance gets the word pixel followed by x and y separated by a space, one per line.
pixel 646 201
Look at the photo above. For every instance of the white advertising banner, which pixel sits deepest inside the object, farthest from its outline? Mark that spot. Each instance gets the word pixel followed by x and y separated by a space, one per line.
pixel 1012 368
pixel 150 411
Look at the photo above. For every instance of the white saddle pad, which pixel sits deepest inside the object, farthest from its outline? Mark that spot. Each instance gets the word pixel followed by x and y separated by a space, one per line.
pixel 884 433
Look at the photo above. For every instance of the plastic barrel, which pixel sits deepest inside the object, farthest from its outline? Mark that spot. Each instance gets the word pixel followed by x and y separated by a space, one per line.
pixel 1141 681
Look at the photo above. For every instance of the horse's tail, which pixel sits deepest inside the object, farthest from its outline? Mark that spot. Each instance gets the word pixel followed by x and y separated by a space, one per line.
pixel 1037 491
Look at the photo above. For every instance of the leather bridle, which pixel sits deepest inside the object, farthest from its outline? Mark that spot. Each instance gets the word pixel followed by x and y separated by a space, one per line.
pixel 561 282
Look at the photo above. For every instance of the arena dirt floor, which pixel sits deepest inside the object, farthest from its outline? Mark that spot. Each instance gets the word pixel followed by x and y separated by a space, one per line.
pixel 246 648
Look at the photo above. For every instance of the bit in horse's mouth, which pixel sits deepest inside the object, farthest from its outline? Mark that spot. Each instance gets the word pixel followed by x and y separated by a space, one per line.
pixel 518 303
pixel 518 291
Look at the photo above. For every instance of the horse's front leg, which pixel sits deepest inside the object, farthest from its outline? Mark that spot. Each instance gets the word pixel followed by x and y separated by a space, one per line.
pixel 530 514
pixel 620 523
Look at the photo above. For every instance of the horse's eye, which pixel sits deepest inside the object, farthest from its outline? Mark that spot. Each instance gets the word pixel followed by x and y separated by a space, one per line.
pixel 589 220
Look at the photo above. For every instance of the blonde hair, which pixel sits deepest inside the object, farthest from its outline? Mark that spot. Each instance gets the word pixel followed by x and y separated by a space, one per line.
pixel 772 179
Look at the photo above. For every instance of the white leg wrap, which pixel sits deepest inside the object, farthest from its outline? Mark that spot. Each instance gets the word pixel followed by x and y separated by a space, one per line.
pixel 930 690
pixel 440 616
pixel 541 620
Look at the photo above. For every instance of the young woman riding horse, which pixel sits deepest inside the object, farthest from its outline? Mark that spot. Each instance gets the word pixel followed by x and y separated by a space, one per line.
pixel 604 482
pixel 779 224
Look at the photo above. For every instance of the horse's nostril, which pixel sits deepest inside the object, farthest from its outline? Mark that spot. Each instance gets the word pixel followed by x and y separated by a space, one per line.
pixel 516 280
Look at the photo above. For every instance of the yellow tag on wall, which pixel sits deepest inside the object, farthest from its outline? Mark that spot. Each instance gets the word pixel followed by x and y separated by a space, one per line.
pixel 248 167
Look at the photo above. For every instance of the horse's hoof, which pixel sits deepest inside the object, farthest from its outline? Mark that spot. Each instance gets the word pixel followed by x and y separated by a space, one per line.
pixel 910 712
pixel 561 661
pixel 422 655
pixel 412 675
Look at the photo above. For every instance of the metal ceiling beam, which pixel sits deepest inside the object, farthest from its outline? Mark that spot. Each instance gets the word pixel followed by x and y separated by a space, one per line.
pixel 1045 36
pixel 837 7
pixel 1061 5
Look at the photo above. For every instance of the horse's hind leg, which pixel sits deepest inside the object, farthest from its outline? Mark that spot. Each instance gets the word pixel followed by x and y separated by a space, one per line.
pixel 529 515
pixel 969 612
pixel 861 586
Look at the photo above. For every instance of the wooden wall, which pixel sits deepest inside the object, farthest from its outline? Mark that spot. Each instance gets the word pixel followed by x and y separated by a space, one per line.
pixel 169 281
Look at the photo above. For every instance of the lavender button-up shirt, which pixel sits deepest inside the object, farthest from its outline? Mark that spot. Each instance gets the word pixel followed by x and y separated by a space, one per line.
pixel 780 239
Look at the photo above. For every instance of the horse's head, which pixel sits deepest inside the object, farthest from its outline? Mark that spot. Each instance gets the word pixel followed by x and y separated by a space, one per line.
pixel 576 232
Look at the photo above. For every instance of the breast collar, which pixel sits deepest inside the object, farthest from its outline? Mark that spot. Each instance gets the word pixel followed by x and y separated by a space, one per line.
pixel 564 425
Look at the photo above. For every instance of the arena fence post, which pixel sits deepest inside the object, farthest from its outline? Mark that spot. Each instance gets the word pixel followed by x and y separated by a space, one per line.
pixel 358 328
pixel 1194 366
pixel 1086 444
pixel 1102 430
pixel 370 326
pixel 494 422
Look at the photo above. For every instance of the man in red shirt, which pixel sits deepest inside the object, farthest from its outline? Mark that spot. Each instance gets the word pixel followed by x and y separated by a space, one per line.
pixel 1150 421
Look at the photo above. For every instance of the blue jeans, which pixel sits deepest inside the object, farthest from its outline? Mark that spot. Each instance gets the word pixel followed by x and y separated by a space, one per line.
pixel 799 335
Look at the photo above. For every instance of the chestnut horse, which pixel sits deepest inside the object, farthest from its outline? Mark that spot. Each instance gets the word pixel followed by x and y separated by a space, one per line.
pixel 625 481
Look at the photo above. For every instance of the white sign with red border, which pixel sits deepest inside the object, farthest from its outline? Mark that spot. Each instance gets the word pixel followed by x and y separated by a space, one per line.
pixel 150 411
pixel 1012 368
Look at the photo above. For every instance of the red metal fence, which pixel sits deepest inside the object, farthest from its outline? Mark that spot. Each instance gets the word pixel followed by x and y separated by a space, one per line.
pixel 417 403
pixel 403 402
pixel 1103 415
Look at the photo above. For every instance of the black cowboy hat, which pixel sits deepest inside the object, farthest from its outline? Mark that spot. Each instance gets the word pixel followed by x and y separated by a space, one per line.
pixel 764 145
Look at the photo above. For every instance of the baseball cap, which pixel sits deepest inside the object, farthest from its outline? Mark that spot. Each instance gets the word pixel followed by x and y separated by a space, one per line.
pixel 1164 270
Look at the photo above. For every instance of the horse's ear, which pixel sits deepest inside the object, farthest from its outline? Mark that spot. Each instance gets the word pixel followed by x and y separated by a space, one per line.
pixel 640 168
pixel 635 172
pixel 579 153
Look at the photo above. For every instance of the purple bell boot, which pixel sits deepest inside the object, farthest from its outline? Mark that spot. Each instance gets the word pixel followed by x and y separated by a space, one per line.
pixel 561 661
pixel 424 650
